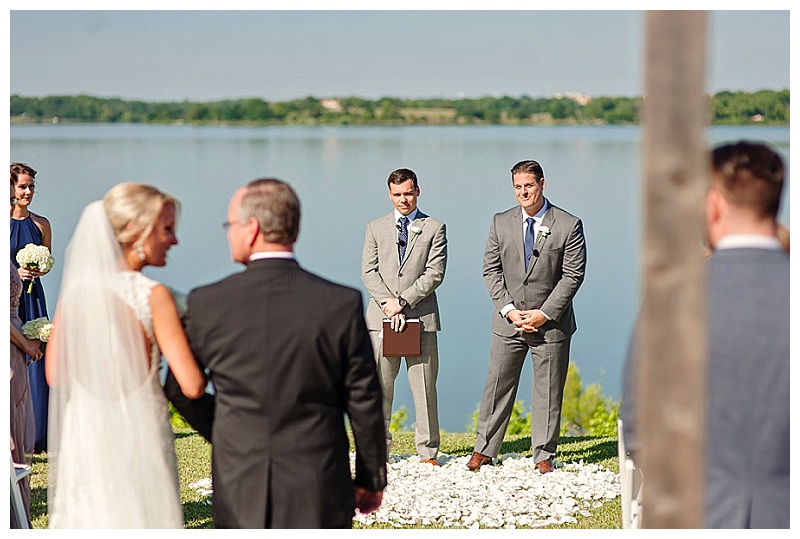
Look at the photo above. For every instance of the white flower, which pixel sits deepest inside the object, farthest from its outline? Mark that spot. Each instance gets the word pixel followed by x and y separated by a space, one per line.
pixel 544 231
pixel 36 257
pixel 415 230
pixel 38 328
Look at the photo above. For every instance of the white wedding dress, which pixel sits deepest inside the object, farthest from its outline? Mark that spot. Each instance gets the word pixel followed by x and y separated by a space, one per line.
pixel 112 464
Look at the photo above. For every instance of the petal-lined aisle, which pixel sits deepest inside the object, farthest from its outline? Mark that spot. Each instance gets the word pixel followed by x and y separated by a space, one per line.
pixel 512 494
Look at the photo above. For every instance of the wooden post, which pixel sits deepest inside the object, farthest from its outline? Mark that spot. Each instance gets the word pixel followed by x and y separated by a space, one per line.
pixel 671 368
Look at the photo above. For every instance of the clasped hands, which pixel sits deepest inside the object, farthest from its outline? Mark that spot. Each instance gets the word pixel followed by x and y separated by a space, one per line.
pixel 527 321
pixel 394 312
pixel 28 274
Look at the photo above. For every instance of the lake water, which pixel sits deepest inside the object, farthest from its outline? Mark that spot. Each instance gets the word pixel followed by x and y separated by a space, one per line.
pixel 340 175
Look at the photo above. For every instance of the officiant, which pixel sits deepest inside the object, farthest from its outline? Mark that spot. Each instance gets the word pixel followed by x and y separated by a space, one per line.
pixel 402 265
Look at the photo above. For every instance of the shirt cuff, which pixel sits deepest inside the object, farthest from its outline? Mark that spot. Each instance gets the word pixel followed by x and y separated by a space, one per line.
pixel 507 309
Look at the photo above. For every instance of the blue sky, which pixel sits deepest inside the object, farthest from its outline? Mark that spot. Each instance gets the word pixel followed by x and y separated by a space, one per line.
pixel 282 55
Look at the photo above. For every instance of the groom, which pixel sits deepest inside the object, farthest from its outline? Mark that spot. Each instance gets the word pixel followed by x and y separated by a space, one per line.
pixel 289 356
pixel 533 265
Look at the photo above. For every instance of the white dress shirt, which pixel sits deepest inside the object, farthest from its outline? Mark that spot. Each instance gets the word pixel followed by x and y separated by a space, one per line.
pixel 272 254
pixel 748 241
pixel 411 217
pixel 537 222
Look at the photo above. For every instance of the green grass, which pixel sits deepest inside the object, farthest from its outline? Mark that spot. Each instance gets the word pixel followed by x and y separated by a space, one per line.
pixel 194 463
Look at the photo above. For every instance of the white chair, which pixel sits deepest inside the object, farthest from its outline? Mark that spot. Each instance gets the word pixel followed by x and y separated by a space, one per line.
pixel 18 472
pixel 631 479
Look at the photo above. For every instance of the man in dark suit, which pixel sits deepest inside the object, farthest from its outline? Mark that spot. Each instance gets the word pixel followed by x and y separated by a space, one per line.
pixel 402 264
pixel 289 355
pixel 747 442
pixel 533 265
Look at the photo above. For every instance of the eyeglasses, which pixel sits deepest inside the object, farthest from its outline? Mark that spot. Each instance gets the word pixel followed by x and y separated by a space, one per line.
pixel 14 200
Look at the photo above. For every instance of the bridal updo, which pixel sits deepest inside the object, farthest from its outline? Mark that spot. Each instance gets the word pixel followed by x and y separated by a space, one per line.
pixel 132 210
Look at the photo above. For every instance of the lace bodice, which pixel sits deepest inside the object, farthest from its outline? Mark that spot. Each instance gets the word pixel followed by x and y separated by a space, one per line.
pixel 16 290
pixel 134 288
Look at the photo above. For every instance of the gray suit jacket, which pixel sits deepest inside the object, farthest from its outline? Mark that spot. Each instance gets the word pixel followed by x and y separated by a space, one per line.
pixel 553 278
pixel 415 280
pixel 747 451
pixel 748 422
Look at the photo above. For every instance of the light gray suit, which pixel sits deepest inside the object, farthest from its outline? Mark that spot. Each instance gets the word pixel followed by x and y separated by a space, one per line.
pixel 415 280
pixel 556 272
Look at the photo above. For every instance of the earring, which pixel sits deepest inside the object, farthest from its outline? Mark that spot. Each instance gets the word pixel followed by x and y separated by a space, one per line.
pixel 140 253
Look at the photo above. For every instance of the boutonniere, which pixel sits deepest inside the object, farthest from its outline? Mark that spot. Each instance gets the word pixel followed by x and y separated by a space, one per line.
pixel 415 231
pixel 544 231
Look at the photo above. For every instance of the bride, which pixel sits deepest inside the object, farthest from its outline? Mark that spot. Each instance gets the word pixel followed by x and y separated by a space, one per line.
pixel 111 458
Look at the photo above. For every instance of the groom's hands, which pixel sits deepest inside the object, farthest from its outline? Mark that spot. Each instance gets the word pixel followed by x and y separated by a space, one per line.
pixel 391 307
pixel 527 321
pixel 368 501
pixel 394 311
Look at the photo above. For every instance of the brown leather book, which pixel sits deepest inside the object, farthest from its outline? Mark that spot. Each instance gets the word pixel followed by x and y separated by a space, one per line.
pixel 405 343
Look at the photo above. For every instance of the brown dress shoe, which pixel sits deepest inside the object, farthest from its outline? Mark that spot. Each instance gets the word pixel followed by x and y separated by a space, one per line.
pixel 545 466
pixel 432 462
pixel 477 461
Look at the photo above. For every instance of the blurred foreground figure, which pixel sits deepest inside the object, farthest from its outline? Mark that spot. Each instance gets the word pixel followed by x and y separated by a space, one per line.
pixel 747 439
pixel 748 324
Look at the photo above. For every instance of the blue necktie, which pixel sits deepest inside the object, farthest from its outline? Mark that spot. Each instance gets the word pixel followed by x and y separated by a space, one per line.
pixel 529 241
pixel 402 238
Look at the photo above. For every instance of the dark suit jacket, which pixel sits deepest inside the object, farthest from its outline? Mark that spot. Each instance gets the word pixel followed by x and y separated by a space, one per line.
pixel 552 279
pixel 289 355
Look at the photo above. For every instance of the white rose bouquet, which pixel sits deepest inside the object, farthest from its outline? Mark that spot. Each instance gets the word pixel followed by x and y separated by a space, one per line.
pixel 38 328
pixel 36 257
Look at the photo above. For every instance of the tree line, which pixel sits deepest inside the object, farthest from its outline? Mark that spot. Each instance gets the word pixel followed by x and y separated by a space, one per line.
pixel 766 107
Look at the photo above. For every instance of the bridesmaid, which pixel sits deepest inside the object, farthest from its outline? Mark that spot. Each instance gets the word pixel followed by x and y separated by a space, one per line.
pixel 28 227
pixel 22 428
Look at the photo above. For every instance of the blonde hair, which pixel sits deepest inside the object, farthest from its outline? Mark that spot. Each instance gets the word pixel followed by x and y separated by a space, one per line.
pixel 133 208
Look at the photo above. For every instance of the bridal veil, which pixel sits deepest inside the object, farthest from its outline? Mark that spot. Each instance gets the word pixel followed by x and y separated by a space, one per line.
pixel 111 457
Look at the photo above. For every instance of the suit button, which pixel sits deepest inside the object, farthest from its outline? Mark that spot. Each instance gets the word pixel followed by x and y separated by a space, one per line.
pixel 399 274
pixel 525 283
pixel 522 303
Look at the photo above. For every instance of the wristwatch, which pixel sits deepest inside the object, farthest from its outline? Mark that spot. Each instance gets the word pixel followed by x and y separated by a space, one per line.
pixel 401 300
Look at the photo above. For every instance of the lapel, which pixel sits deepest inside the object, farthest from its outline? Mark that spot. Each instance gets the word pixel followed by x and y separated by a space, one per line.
pixel 388 239
pixel 419 222
pixel 519 238
pixel 547 220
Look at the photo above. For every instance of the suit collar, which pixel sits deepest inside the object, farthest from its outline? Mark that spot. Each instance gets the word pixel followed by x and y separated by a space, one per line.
pixel 540 214
pixel 263 263
pixel 395 215
pixel 272 254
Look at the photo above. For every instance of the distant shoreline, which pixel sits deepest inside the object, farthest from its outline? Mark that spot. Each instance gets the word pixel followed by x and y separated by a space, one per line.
pixel 765 107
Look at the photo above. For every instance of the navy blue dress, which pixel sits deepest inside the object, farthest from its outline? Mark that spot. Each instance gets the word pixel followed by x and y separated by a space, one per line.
pixel 32 306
